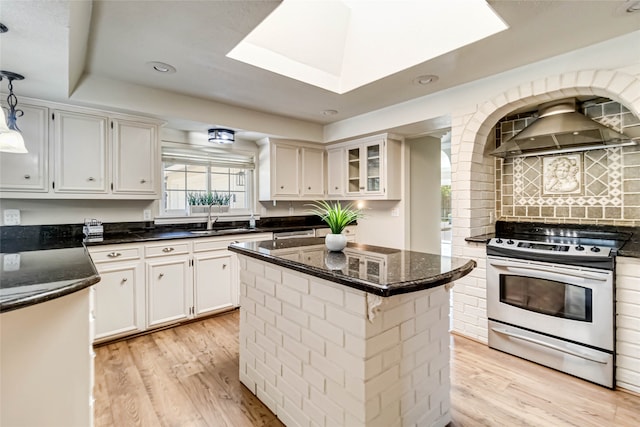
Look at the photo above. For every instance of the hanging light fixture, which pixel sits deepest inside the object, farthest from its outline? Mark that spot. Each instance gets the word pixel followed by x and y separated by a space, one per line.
pixel 221 136
pixel 11 140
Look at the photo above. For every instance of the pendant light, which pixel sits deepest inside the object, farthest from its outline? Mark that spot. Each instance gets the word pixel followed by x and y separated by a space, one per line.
pixel 11 140
pixel 221 136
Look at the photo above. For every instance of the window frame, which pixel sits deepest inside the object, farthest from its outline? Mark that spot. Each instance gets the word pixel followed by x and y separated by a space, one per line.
pixel 250 192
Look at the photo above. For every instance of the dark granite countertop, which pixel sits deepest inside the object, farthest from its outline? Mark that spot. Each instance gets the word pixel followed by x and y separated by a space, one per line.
pixel 41 263
pixel 35 276
pixel 386 271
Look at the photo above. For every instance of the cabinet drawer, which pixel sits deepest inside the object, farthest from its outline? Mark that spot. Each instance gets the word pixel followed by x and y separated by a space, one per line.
pixel 114 254
pixel 166 248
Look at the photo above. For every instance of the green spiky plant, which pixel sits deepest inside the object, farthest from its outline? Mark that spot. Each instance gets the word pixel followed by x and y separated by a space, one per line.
pixel 335 215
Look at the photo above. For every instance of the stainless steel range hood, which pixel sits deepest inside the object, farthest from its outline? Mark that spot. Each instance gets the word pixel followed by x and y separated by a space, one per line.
pixel 560 129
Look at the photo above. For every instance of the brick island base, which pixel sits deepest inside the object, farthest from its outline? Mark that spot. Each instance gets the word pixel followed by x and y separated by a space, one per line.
pixel 309 351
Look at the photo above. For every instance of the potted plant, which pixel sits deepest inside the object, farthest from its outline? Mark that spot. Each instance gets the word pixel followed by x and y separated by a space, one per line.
pixel 221 201
pixel 337 218
pixel 201 202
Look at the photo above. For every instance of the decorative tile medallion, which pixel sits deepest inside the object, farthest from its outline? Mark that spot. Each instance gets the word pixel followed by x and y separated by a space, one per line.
pixel 562 174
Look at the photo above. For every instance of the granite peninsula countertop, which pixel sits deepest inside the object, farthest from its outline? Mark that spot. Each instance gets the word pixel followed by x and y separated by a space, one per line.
pixel 32 277
pixel 374 269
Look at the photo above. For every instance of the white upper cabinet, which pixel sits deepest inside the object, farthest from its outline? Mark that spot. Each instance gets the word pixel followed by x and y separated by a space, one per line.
pixel 135 157
pixel 80 153
pixel 28 172
pixel 335 172
pixel 80 147
pixel 312 182
pixel 373 168
pixel 290 170
pixel 285 171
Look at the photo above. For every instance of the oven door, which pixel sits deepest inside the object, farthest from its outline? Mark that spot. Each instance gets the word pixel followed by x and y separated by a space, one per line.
pixel 571 303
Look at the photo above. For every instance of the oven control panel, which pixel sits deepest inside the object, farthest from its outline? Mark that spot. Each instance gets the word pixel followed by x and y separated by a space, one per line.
pixel 559 249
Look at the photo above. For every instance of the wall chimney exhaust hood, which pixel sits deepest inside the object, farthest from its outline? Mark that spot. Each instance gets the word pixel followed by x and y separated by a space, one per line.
pixel 560 129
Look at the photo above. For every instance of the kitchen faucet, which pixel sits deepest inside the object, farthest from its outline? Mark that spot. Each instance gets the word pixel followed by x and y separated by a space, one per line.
pixel 211 221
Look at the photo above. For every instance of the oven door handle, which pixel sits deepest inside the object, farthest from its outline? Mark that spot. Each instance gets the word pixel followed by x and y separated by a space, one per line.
pixel 523 270
pixel 600 360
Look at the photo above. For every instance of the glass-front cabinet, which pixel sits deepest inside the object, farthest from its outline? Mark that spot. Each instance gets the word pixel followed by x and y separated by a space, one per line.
pixel 366 166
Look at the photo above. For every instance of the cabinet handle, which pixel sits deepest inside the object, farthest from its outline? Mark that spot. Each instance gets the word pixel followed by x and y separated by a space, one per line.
pixel 167 250
pixel 224 266
pixel 160 276
pixel 142 181
pixel 91 178
pixel 282 187
pixel 114 254
pixel 309 188
pixel 336 188
pixel 362 188
pixel 27 177
pixel 124 279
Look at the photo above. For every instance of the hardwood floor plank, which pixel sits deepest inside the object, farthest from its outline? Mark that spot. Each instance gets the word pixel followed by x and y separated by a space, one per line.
pixel 188 376
pixel 129 402
pixel 170 401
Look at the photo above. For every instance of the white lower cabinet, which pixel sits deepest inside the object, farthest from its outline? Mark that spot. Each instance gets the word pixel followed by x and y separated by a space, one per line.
pixel 119 302
pixel 213 282
pixel 118 298
pixel 169 290
pixel 146 286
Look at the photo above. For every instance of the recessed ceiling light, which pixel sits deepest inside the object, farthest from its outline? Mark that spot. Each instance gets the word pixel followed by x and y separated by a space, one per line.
pixel 162 67
pixel 426 79
pixel 329 112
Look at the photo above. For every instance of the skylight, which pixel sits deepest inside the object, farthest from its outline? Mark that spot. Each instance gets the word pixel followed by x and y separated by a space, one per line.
pixel 340 45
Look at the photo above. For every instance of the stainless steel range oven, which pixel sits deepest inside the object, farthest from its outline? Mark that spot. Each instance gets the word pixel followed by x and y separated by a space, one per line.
pixel 551 301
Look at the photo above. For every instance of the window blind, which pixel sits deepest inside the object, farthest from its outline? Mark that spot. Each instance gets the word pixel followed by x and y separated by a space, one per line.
pixel 181 153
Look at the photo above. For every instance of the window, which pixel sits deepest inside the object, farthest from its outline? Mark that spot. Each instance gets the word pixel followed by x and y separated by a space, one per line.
pixel 194 171
pixel 180 179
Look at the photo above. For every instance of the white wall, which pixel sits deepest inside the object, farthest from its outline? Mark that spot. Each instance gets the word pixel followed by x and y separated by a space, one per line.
pixel 424 200
pixel 40 212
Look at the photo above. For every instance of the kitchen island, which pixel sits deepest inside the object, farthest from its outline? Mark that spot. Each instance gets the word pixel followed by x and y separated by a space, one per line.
pixel 354 338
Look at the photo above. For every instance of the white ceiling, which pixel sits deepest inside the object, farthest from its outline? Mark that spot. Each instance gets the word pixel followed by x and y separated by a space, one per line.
pixel 55 44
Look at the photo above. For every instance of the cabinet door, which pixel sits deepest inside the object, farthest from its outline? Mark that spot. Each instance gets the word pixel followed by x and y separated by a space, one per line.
pixel 168 290
pixel 372 162
pixel 135 157
pixel 80 144
pixel 335 174
pixel 119 300
pixel 28 172
pixel 285 170
pixel 354 168
pixel 214 287
pixel 312 172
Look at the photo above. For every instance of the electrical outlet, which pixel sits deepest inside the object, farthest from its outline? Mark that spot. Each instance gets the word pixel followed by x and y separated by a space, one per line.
pixel 11 262
pixel 11 217
pixel 291 211
pixel 395 212
pixel 491 218
pixel 146 214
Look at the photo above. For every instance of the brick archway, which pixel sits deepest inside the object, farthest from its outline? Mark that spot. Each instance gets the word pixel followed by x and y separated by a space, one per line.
pixel 473 171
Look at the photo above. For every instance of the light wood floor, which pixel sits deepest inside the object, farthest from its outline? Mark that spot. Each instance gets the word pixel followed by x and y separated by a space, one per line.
pixel 188 376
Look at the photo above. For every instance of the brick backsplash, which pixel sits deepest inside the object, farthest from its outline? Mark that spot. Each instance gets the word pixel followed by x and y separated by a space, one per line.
pixel 606 182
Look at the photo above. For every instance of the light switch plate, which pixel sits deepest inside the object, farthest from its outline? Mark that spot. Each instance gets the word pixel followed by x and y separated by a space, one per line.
pixel 11 217
pixel 146 214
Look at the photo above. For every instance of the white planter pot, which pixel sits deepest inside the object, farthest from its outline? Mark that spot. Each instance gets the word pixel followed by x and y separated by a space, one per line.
pixel 335 242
